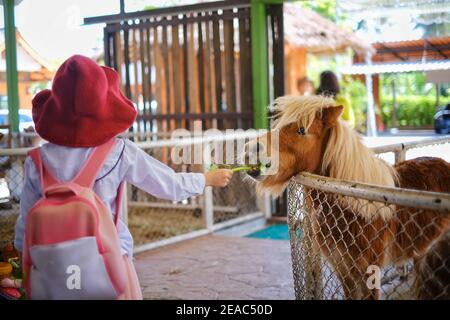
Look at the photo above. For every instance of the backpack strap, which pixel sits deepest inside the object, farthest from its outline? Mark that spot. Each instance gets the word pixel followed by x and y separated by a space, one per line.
pixel 47 178
pixel 119 198
pixel 88 173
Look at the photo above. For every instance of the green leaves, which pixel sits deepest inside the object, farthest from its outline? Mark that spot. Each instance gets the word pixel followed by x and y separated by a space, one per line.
pixel 237 168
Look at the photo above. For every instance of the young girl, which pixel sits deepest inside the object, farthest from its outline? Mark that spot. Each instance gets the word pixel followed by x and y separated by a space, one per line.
pixel 85 109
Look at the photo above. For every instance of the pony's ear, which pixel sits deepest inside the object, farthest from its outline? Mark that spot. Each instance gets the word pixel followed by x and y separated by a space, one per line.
pixel 330 115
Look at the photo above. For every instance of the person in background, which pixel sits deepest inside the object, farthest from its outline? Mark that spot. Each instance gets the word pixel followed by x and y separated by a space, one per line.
pixel 329 86
pixel 305 86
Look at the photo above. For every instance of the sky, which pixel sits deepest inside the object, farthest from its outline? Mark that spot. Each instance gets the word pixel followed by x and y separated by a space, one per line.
pixel 54 27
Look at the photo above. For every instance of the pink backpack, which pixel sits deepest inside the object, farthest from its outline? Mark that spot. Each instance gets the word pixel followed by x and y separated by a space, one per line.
pixel 71 247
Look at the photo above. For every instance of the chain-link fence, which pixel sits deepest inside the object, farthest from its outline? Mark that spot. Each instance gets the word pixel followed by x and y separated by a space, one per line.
pixel 11 183
pixel 359 241
pixel 151 220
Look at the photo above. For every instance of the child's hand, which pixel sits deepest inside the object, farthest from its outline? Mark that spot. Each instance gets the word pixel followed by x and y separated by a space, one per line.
pixel 218 177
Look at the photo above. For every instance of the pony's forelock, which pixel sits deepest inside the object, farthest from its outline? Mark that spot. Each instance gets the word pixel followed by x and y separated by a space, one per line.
pixel 299 109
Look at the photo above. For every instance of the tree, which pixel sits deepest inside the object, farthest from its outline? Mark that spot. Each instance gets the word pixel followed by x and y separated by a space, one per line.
pixel 326 8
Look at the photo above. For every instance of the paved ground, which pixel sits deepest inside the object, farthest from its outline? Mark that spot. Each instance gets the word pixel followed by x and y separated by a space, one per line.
pixel 217 267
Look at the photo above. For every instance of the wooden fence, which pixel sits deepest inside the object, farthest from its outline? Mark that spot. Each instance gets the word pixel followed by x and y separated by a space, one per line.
pixel 188 63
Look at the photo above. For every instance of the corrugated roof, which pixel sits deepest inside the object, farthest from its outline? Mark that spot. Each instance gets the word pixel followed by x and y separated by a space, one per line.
pixel 396 67
pixel 437 48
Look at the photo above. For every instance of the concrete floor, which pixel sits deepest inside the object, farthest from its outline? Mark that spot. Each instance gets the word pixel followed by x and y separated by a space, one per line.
pixel 217 267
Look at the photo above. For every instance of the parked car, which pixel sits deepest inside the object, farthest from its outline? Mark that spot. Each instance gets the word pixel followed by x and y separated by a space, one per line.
pixel 442 121
pixel 25 119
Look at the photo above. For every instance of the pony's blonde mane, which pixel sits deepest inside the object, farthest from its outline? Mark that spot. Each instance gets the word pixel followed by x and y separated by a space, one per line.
pixel 345 156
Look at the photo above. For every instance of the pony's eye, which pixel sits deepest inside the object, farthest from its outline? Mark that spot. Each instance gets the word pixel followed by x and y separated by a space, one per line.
pixel 301 131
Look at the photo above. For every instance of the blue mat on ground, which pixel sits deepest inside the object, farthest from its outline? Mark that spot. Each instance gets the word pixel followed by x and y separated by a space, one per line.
pixel 274 232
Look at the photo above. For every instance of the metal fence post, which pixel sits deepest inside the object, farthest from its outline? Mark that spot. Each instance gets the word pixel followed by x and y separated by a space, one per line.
pixel 306 256
pixel 208 202
pixel 264 205
pixel 313 270
pixel 208 208
pixel 400 155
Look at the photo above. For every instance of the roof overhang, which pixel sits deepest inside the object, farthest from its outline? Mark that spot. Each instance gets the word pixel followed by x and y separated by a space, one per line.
pixel 397 67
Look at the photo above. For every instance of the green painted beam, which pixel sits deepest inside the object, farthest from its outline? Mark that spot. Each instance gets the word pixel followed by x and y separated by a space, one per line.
pixel 11 64
pixel 260 61
pixel 260 67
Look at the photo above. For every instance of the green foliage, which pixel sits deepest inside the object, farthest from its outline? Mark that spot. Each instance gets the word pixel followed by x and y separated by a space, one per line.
pixel 326 8
pixel 416 99
pixel 355 91
pixel 38 86
pixel 411 83
pixel 413 110
pixel 149 7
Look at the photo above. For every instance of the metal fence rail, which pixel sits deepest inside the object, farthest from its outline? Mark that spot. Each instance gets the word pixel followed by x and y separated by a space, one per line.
pixel 337 255
pixel 154 222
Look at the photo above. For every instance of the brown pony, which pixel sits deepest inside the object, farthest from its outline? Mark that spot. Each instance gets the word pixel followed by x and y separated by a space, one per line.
pixel 352 234
pixel 433 271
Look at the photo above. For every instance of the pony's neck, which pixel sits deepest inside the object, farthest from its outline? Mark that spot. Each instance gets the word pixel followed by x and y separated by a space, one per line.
pixel 346 157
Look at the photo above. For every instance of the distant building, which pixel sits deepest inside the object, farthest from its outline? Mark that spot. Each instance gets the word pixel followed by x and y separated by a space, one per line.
pixel 305 31
pixel 32 69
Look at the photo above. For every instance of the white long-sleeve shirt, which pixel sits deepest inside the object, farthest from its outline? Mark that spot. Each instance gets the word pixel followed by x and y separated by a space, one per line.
pixel 126 162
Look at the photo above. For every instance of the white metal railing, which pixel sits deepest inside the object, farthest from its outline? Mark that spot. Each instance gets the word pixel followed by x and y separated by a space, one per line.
pixel 400 149
pixel 206 203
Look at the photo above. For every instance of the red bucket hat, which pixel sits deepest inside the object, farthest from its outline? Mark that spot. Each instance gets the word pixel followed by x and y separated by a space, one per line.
pixel 85 107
